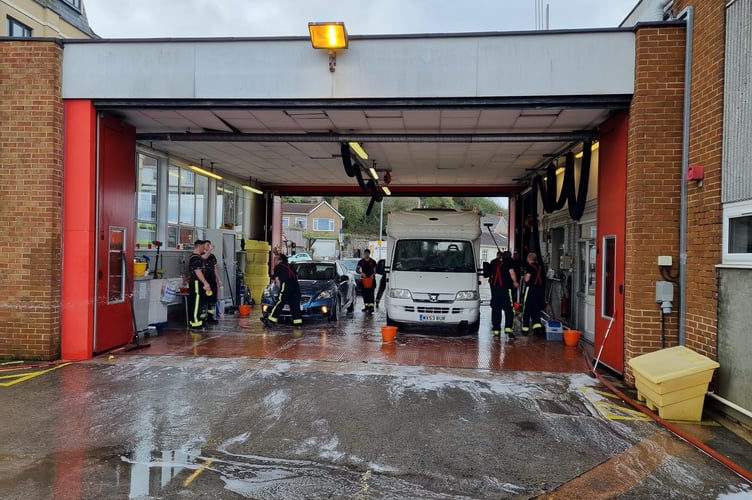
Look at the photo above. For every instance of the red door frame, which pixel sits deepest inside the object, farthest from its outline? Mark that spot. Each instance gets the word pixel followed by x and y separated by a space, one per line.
pixel 612 186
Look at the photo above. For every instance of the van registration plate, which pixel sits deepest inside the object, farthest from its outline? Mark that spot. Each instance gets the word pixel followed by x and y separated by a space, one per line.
pixel 431 317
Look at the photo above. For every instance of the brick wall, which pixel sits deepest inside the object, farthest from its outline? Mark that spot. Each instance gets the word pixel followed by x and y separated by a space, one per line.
pixel 31 166
pixel 654 176
pixel 653 184
pixel 705 217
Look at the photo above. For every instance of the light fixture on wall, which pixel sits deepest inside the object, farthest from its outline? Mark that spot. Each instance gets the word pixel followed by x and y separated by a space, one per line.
pixel 355 146
pixel 200 170
pixel 330 36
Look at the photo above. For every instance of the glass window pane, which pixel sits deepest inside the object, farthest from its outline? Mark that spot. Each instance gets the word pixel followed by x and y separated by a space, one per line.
pixel 187 192
pixel 172 236
pixel 740 235
pixel 202 200
pixel 145 234
pixel 116 265
pixel 609 276
pixel 173 195
pixel 146 196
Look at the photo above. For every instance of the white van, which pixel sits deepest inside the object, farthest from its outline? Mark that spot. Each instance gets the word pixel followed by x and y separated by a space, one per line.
pixel 432 268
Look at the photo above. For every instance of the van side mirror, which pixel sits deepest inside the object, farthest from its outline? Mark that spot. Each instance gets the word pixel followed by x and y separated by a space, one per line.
pixel 380 265
pixel 486 270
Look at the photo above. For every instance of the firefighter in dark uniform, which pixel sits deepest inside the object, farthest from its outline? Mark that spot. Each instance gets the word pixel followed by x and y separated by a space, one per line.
pixel 504 286
pixel 289 292
pixel 367 269
pixel 211 273
pixel 533 299
pixel 198 287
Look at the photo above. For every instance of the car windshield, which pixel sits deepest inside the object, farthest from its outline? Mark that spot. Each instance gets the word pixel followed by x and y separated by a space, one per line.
pixel 350 264
pixel 314 271
pixel 434 255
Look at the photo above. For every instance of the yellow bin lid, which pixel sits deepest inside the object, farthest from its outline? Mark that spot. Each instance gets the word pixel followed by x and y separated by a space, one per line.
pixel 671 363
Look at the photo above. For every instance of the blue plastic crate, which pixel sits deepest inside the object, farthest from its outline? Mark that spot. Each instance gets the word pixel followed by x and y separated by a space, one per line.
pixel 554 329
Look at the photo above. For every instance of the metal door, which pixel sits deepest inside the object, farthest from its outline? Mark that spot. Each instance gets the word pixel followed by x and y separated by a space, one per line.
pixel 115 229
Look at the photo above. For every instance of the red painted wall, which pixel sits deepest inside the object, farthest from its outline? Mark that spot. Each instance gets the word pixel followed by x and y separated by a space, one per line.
pixel 612 186
pixel 79 211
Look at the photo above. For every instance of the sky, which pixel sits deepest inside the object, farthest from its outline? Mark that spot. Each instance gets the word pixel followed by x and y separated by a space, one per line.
pixel 254 18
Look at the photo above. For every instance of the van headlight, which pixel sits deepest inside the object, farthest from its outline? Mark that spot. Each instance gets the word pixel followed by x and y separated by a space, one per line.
pixel 400 293
pixel 466 295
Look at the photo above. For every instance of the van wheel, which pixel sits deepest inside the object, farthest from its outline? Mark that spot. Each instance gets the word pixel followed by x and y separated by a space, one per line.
pixel 473 327
pixel 390 322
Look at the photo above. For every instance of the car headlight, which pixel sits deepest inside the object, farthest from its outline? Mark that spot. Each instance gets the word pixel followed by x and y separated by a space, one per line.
pixel 324 294
pixel 466 295
pixel 400 293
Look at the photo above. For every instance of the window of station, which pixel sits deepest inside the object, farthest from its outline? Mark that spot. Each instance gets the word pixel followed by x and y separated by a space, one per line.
pixel 146 199
pixel 17 29
pixel 187 201
pixel 229 207
pixel 737 233
pixel 177 205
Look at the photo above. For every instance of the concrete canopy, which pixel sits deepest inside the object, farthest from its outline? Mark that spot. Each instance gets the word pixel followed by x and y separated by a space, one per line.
pixel 474 114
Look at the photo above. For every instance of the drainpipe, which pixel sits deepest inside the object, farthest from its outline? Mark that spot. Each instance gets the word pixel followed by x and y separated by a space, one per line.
pixel 689 14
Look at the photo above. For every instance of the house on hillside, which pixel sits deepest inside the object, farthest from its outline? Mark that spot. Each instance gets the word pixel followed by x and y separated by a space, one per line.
pixel 488 242
pixel 313 227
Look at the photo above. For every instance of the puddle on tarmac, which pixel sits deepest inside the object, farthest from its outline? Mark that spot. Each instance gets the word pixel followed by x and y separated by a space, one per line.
pixel 181 472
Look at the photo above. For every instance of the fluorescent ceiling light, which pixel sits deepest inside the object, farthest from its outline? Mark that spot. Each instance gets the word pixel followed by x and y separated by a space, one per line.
pixel 373 173
pixel 359 150
pixel 252 189
pixel 329 36
pixel 386 190
pixel 205 172
pixel 593 148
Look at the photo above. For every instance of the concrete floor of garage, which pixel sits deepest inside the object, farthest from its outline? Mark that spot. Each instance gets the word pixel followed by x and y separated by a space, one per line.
pixel 357 337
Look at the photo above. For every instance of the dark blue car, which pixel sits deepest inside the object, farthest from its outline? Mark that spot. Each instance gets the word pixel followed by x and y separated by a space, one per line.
pixel 327 291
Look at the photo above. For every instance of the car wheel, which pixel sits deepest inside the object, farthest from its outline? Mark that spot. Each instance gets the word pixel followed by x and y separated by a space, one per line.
pixel 351 307
pixel 335 309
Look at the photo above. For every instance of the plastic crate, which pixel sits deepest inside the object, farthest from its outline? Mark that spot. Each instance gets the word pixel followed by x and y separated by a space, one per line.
pixel 554 329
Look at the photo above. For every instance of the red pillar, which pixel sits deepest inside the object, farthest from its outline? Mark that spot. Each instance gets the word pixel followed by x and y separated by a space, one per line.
pixel 79 225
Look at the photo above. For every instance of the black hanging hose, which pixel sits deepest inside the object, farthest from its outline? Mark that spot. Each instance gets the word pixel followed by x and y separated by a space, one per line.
pixel 574 197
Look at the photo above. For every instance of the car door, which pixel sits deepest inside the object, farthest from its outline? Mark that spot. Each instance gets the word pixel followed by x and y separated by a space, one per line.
pixel 342 285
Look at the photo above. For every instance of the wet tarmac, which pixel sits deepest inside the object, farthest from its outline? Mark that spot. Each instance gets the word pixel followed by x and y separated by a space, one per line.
pixel 330 411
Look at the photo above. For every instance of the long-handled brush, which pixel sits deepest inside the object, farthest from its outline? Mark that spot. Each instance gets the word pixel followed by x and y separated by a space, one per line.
pixel 600 351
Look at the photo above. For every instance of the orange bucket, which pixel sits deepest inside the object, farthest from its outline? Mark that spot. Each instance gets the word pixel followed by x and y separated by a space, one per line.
pixel 244 309
pixel 388 333
pixel 367 281
pixel 571 338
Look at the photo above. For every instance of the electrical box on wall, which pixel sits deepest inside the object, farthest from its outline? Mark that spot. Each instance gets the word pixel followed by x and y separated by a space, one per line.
pixel 665 260
pixel 664 291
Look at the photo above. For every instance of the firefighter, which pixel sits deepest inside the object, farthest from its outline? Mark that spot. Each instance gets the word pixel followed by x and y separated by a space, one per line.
pixel 289 292
pixel 504 286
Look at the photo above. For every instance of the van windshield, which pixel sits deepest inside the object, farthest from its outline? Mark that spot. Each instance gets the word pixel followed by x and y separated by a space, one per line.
pixel 434 255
